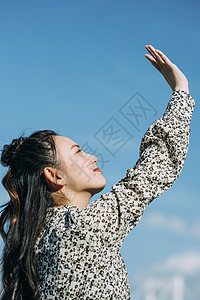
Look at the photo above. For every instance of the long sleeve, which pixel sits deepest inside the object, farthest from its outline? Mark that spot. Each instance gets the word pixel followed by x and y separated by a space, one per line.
pixel 77 252
pixel 162 154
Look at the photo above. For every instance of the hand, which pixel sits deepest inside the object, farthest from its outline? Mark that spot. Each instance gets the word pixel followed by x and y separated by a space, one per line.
pixel 175 78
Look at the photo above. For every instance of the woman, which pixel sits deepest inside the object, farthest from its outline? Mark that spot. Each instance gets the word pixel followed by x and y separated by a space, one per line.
pixel 58 246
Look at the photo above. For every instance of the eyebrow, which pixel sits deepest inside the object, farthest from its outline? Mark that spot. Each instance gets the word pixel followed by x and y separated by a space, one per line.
pixel 75 145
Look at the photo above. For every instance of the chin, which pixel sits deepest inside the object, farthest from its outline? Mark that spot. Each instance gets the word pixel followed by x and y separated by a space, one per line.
pixel 96 190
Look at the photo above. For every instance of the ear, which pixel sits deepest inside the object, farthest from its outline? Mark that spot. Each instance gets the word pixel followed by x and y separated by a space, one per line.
pixel 53 176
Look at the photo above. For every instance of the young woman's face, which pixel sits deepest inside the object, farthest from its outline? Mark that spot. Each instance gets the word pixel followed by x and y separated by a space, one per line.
pixel 78 167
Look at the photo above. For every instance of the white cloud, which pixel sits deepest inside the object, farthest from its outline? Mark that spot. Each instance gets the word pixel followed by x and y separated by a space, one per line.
pixel 186 263
pixel 173 224
pixel 177 277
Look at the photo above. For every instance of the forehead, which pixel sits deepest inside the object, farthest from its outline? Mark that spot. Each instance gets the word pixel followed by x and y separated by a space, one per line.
pixel 63 141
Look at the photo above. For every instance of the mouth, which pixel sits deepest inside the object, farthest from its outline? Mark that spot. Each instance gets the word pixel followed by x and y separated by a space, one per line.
pixel 97 170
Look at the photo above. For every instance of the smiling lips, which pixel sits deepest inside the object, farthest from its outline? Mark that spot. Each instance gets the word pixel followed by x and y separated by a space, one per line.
pixel 97 170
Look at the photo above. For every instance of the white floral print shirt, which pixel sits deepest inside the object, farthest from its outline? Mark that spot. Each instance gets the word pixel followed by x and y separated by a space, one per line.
pixel 78 251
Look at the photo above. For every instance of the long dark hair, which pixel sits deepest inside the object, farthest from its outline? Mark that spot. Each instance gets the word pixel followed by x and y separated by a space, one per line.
pixel 25 212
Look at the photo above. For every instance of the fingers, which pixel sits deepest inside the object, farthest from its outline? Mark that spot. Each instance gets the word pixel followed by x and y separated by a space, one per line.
pixel 163 56
pixel 155 54
pixel 153 61
pixel 158 55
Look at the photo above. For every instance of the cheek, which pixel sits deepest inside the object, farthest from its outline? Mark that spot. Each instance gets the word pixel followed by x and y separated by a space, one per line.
pixel 71 164
pixel 78 168
pixel 80 163
pixel 69 169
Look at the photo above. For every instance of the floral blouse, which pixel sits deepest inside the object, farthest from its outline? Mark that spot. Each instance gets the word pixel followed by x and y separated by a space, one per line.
pixel 77 253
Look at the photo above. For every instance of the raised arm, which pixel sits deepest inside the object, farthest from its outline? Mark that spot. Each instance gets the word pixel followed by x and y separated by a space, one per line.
pixel 162 155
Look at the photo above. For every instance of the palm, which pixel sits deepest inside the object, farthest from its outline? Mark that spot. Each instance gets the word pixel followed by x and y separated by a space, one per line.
pixel 175 78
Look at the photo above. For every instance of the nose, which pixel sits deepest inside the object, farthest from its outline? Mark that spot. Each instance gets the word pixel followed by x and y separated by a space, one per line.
pixel 93 159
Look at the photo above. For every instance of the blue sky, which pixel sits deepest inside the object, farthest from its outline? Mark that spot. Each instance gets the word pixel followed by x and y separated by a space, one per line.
pixel 70 66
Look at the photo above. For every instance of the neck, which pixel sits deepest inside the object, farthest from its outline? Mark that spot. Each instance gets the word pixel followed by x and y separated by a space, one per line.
pixel 71 197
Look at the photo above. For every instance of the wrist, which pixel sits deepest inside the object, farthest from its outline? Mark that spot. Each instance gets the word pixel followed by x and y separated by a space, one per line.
pixel 182 88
